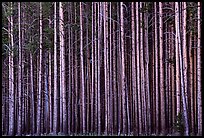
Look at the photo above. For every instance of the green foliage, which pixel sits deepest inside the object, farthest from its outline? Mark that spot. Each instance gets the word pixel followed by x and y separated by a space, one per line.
pixel 49 31
pixel 179 123
pixel 6 10
pixel 32 46
pixel 46 6
pixel 145 8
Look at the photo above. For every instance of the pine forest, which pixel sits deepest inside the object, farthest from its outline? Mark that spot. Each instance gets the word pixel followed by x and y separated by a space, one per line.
pixel 101 68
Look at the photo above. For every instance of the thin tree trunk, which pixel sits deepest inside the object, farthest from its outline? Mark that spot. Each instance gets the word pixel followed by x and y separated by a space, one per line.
pixel 147 74
pixel 11 77
pixel 161 71
pixel 19 72
pixel 184 50
pixel 123 68
pixel 190 84
pixel 143 96
pixel 156 70
pixel 105 25
pixel 134 86
pixel 69 73
pixel 82 70
pixel 172 57
pixel 62 63
pixel 32 108
pixel 40 77
pixel 99 65
pixel 114 77
pixel 50 85
pixel 199 97
pixel 195 79
pixel 55 115
pixel 88 73
pixel 119 73
pixel 110 81
pixel 46 98
pixel 92 66
pixel 76 76
pixel 96 69
pixel 73 94
pixel 169 79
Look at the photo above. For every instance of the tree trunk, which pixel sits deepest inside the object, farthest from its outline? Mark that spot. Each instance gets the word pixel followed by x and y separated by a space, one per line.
pixel 11 76
pixel 177 68
pixel 55 115
pixel 105 27
pixel 50 85
pixel 161 71
pixel 138 69
pixel 62 68
pixel 82 69
pixel 199 73
pixel 114 77
pixel 19 72
pixel 40 77
pixel 99 66
pixel 76 76
pixel 147 85
pixel 123 69
pixel 92 65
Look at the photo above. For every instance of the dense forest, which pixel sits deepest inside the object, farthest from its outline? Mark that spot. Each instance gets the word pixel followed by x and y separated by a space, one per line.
pixel 101 68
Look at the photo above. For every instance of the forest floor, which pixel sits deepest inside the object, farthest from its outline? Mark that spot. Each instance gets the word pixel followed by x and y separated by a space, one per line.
pixel 94 134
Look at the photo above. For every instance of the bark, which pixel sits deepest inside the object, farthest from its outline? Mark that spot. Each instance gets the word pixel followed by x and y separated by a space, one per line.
pixel 199 73
pixel 119 74
pixel 40 77
pixel 173 77
pixel 111 73
pixel 156 70
pixel 184 50
pixel 195 79
pixel 55 115
pixel 147 85
pixel 143 96
pixel 190 84
pixel 69 89
pixel 88 73
pixel 50 86
pixel 138 70
pixel 92 65
pixel 123 69
pixel 177 67
pixel 134 86
pixel 114 77
pixel 82 70
pixel 73 94
pixel 169 79
pixel 19 72
pixel 62 68
pixel 11 76
pixel 32 108
pixel 76 77
pixel 105 27
pixel 161 71
pixel 46 101
pixel 99 65
pixel 96 69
